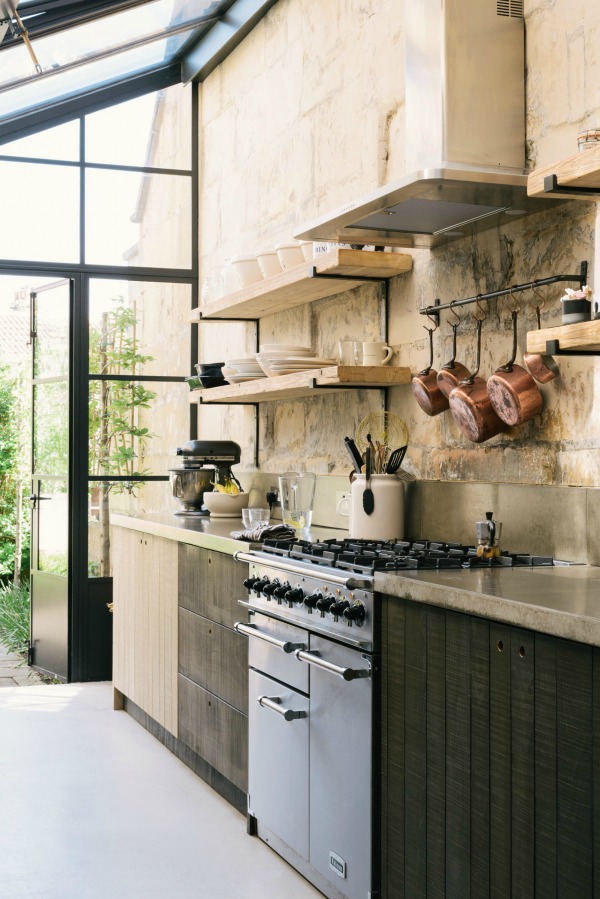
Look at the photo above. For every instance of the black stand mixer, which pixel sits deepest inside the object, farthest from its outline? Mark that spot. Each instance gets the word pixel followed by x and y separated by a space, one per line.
pixel 205 463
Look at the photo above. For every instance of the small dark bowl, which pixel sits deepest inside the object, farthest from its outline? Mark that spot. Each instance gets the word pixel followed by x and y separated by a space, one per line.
pixel 210 369
pixel 208 381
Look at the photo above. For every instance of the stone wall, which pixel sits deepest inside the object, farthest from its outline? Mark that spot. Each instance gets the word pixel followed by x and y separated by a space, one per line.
pixel 308 113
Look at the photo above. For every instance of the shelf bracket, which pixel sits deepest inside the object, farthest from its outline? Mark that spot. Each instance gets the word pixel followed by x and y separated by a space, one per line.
pixel 313 273
pixel 551 185
pixel 553 349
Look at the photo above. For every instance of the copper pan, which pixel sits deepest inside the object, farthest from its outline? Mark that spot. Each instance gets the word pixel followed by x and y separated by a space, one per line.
pixel 515 396
pixel 541 366
pixel 425 386
pixel 452 373
pixel 471 406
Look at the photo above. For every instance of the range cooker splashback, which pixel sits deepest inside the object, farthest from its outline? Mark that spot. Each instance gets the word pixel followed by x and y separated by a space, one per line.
pixel 464 132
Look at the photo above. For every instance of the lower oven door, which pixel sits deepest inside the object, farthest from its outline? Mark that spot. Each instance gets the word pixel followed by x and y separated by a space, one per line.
pixel 343 780
pixel 278 728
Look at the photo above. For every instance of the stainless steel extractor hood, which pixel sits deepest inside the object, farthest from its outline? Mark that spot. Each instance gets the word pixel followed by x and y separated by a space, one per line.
pixel 464 132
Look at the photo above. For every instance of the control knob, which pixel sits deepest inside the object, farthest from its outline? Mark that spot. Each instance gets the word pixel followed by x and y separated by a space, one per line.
pixel 269 589
pixel 249 582
pixel 355 612
pixel 311 600
pixel 324 603
pixel 338 607
pixel 280 591
pixel 260 584
pixel 296 594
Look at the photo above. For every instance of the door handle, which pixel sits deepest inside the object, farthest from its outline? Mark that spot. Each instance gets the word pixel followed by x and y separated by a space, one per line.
pixel 274 703
pixel 34 497
pixel 250 630
pixel 313 658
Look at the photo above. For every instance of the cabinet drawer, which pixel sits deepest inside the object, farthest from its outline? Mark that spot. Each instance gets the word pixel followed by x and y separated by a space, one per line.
pixel 214 657
pixel 215 730
pixel 210 583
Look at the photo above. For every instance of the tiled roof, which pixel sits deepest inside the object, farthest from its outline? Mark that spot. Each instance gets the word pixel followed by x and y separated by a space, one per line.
pixel 14 337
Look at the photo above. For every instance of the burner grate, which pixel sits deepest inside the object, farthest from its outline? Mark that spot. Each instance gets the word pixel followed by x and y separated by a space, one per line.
pixel 368 556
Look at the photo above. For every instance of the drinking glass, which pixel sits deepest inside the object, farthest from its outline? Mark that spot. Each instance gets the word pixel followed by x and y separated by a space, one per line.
pixel 297 492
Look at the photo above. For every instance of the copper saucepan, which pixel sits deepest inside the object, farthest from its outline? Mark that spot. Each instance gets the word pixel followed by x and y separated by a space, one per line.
pixel 471 407
pixel 425 386
pixel 540 365
pixel 452 373
pixel 514 394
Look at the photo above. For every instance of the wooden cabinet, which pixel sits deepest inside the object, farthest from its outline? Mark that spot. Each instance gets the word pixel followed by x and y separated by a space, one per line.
pixel 145 623
pixel 489 786
pixel 213 662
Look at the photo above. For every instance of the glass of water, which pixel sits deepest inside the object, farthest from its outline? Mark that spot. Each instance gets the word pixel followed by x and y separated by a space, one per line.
pixel 297 492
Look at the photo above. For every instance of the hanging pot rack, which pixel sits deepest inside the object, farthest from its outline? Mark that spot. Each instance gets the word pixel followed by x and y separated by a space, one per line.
pixel 433 312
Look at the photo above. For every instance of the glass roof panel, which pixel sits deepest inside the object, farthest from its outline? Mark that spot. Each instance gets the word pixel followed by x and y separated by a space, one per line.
pixel 72 81
pixel 110 49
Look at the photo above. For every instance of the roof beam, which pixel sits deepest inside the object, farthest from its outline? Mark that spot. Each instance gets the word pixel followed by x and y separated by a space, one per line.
pixel 223 38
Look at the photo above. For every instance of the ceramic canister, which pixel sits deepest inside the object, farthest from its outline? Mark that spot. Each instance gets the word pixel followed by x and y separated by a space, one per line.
pixel 386 522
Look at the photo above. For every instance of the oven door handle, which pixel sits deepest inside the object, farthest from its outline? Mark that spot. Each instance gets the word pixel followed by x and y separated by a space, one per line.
pixel 274 703
pixel 313 658
pixel 250 630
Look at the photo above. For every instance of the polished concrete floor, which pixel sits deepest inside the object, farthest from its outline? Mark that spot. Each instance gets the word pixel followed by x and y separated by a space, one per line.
pixel 93 807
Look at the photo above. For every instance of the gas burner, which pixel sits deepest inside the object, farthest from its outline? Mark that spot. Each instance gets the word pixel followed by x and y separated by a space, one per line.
pixel 368 556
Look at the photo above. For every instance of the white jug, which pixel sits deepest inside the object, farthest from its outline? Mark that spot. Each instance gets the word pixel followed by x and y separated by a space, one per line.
pixel 386 522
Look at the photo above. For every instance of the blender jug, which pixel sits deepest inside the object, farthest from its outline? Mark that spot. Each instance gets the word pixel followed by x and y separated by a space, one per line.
pixel 297 492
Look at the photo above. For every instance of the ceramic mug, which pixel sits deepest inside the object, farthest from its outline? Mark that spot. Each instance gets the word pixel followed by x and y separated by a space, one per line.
pixel 347 352
pixel 373 352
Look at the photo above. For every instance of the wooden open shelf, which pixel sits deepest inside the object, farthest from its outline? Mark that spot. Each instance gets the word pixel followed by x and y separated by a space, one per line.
pixel 306 383
pixel 584 336
pixel 577 177
pixel 295 286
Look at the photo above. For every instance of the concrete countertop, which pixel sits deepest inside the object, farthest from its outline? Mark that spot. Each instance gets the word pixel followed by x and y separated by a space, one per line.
pixel 560 601
pixel 209 533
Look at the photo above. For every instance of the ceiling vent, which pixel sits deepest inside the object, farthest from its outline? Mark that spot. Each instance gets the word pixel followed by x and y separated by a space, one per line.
pixel 464 140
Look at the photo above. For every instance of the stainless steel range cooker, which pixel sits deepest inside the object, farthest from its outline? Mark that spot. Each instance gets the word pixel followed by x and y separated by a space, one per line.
pixel 314 720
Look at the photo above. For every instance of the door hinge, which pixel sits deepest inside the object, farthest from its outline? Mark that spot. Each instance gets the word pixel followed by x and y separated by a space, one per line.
pixel 30 655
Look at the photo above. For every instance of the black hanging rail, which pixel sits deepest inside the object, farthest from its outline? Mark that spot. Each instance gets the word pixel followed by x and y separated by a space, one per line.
pixel 434 311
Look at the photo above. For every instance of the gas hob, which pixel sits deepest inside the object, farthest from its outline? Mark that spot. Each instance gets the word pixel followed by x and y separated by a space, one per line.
pixel 368 556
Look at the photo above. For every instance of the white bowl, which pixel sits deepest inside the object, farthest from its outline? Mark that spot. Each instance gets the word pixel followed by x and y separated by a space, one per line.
pixel 307 249
pixel 290 254
pixel 225 505
pixel 269 263
pixel 247 269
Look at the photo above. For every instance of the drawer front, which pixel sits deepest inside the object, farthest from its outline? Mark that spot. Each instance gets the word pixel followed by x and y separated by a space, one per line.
pixel 215 657
pixel 269 659
pixel 215 730
pixel 210 583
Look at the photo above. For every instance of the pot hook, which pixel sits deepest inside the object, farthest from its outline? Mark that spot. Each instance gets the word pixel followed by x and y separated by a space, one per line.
pixel 454 325
pixel 479 319
pixel 430 331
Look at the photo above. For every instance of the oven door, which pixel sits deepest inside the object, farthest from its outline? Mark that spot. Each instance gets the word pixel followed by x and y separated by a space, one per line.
pixel 342 773
pixel 278 760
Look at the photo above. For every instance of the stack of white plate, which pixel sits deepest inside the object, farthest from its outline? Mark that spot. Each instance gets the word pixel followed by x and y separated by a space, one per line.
pixel 286 359
pixel 239 370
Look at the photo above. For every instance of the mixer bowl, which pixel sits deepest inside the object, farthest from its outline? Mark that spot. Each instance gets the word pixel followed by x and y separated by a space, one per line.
pixel 188 485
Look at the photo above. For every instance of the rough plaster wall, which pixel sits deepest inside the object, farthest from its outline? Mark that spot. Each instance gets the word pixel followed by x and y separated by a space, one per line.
pixel 308 113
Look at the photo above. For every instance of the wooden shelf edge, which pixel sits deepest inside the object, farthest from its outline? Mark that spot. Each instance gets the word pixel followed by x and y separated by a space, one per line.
pixel 579 336
pixel 300 384
pixel 294 287
pixel 577 177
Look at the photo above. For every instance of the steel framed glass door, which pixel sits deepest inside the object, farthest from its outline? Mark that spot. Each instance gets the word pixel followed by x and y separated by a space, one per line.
pixel 51 307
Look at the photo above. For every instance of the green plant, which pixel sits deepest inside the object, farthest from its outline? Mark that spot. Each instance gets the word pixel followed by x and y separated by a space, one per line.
pixel 117 435
pixel 14 616
pixel 14 536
